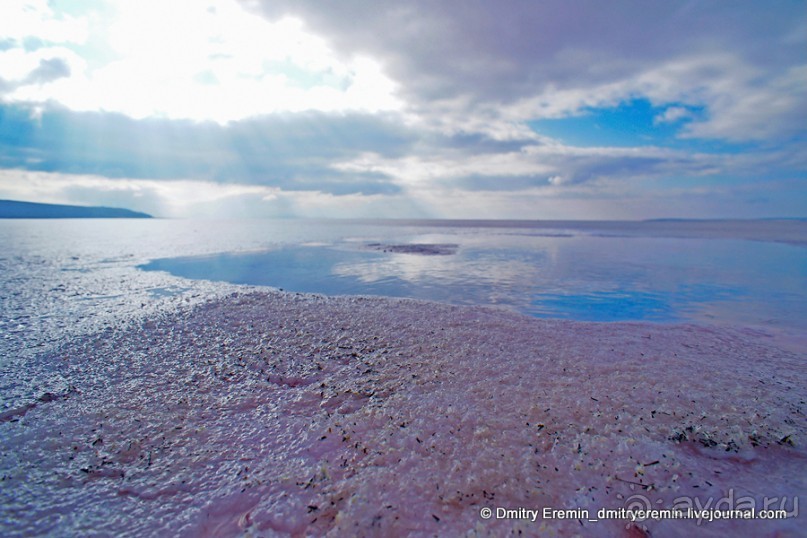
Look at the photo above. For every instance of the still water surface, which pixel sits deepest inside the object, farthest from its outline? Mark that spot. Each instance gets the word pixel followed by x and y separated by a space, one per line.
pixel 62 278
pixel 571 274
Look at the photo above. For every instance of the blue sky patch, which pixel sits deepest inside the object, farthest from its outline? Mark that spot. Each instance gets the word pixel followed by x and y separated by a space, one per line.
pixel 630 124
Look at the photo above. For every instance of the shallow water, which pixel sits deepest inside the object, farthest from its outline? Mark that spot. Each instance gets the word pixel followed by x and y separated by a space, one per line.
pixel 573 275
pixel 125 414
pixel 59 277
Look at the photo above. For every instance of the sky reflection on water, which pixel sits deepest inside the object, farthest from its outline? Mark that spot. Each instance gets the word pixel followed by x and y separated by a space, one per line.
pixel 579 277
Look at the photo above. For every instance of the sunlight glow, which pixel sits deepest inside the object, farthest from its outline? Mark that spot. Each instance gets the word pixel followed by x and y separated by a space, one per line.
pixel 20 19
pixel 186 59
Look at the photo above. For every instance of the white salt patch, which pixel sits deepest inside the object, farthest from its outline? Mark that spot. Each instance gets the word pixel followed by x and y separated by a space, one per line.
pixel 282 414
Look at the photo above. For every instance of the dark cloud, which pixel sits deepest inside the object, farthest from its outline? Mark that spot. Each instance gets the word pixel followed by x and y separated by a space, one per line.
pixel 461 63
pixel 583 169
pixel 290 151
pixel 476 143
pixel 505 50
pixel 48 71
pixel 500 183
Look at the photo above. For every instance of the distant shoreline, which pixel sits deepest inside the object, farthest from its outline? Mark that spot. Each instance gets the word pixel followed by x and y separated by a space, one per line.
pixel 792 231
pixel 786 230
pixel 13 209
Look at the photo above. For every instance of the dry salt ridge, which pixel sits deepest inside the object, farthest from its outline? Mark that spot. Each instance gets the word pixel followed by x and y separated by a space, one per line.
pixel 279 414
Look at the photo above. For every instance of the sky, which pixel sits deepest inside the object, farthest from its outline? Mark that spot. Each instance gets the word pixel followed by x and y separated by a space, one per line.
pixel 472 109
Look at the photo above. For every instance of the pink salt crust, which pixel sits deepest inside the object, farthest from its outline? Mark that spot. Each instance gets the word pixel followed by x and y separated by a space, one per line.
pixel 272 414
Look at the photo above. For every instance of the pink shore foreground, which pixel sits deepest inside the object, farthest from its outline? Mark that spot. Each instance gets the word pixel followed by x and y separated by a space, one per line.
pixel 286 415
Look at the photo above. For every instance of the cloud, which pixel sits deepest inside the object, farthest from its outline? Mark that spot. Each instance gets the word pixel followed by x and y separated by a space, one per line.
pixel 193 198
pixel 293 107
pixel 291 151
pixel 48 70
pixel 21 19
pixel 673 114
pixel 161 198
pixel 517 61
pixel 184 59
pixel 535 165
pixel 772 109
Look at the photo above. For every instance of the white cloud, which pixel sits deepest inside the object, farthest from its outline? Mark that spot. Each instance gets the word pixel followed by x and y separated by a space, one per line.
pixel 20 19
pixel 164 198
pixel 672 115
pixel 17 65
pixel 612 199
pixel 415 169
pixel 192 59
pixel 191 198
pixel 742 102
pixel 547 163
pixel 756 110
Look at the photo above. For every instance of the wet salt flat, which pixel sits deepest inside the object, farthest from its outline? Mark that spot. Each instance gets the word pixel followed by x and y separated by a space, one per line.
pixel 142 403
pixel 288 415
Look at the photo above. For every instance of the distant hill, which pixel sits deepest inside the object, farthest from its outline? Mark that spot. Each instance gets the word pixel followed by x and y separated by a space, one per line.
pixel 10 209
